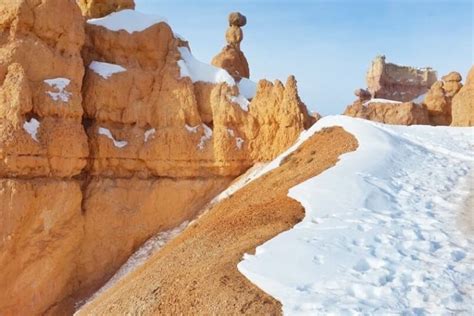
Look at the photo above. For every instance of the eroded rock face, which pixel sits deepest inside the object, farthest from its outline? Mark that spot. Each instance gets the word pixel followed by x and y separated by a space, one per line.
pixel 399 83
pixel 407 113
pixel 107 138
pixel 231 58
pixel 439 97
pixel 463 103
pixel 101 8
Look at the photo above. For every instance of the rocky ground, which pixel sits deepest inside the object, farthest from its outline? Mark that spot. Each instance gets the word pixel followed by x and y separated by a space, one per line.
pixel 196 273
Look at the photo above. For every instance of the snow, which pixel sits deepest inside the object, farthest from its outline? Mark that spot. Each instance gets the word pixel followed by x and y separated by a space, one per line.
pixel 380 234
pixel 31 127
pixel 148 133
pixel 106 132
pixel 247 88
pixel 204 138
pixel 127 20
pixel 199 71
pixel 419 99
pixel 239 143
pixel 150 247
pixel 191 129
pixel 253 173
pixel 241 101
pixel 377 100
pixel 59 84
pixel 105 70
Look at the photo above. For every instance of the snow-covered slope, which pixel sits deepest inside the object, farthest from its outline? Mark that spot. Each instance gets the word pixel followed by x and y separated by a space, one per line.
pixel 380 235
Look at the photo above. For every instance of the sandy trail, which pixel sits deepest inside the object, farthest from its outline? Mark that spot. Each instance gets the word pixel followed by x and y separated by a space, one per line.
pixel 196 273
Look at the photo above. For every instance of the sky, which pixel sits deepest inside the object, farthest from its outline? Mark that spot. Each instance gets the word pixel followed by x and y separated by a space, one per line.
pixel 328 45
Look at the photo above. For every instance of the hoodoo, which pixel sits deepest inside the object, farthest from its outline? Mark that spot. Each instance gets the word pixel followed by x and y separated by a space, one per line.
pixel 231 58
pixel 107 138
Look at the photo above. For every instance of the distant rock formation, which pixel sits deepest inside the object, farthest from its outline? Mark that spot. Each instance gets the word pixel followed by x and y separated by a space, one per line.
pixel 439 97
pixel 463 103
pixel 231 58
pixel 399 113
pixel 108 137
pixel 399 83
pixel 100 8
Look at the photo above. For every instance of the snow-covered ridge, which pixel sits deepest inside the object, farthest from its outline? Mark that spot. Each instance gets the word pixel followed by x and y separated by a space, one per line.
pixel 105 70
pixel 384 240
pixel 199 71
pixel 127 20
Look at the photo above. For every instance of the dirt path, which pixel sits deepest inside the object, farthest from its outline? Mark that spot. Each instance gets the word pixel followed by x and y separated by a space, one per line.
pixel 196 273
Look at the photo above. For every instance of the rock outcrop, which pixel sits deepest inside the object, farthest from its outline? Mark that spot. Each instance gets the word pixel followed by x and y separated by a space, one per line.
pixel 439 97
pixel 108 137
pixel 463 103
pixel 231 58
pixel 100 8
pixel 398 113
pixel 399 83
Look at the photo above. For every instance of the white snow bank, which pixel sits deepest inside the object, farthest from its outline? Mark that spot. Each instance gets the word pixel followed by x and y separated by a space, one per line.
pixel 105 70
pixel 127 20
pixel 380 233
pixel 247 88
pixel 150 247
pixel 377 100
pixel 149 133
pixel 106 132
pixel 31 127
pixel 191 129
pixel 59 84
pixel 199 71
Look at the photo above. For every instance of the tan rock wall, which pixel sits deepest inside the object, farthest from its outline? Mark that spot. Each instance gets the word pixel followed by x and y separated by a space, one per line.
pixel 463 103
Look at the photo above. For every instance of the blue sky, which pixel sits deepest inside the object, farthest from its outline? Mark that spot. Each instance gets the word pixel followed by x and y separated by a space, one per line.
pixel 328 45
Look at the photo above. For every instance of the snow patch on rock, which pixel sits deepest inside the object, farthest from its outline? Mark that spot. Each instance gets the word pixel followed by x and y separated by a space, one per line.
pixel 199 71
pixel 377 100
pixel 149 133
pixel 59 84
pixel 105 70
pixel 106 132
pixel 204 138
pixel 31 127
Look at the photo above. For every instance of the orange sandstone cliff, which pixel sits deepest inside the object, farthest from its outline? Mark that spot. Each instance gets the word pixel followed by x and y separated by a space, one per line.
pixel 108 137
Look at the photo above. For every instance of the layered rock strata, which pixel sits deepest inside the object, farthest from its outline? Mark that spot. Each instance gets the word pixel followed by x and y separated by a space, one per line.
pixel 108 137
pixel 399 83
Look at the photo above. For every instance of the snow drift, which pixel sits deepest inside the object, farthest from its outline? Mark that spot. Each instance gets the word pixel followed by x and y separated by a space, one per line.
pixel 380 233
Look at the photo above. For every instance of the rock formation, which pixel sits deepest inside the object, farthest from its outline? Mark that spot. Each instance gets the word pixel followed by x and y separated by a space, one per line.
pixel 101 8
pixel 107 138
pixel 231 58
pixel 399 83
pixel 439 97
pixel 407 113
pixel 463 103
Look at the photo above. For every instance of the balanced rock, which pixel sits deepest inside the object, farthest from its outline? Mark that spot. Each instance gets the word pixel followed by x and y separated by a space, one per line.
pixel 463 103
pixel 231 58
pixel 439 98
pixel 100 8
pixel 399 83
